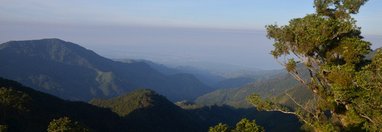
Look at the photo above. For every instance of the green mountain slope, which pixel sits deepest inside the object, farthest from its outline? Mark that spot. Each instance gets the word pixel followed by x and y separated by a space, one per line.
pixel 299 94
pixel 72 72
pixel 272 86
pixel 146 110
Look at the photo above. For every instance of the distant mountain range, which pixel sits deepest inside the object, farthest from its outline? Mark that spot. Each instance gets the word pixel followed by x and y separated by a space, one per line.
pixel 72 72
pixel 24 109
pixel 228 79
pixel 204 76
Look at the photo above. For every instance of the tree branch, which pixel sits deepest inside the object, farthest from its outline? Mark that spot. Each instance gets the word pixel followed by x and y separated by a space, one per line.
pixel 293 113
pixel 367 118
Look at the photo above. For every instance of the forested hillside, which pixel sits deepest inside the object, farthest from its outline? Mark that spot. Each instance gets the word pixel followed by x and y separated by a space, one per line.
pixel 24 109
pixel 268 87
pixel 146 110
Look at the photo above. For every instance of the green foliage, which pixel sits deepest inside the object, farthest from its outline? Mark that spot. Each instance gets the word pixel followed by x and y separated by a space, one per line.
pixel 247 126
pixel 12 103
pixel 17 100
pixel 64 124
pixel 244 125
pixel 291 65
pixel 124 105
pixel 346 85
pixel 367 106
pixel 338 8
pixel 219 128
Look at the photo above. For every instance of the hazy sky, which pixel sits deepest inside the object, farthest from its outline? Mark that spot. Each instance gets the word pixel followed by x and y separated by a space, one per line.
pixel 221 31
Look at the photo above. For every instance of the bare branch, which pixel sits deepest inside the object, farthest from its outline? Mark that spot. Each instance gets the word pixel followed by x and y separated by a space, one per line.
pixel 368 118
pixel 298 104
pixel 293 113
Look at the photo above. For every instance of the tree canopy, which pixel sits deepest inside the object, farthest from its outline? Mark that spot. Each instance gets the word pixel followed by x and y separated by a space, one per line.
pixel 244 125
pixel 65 124
pixel 347 86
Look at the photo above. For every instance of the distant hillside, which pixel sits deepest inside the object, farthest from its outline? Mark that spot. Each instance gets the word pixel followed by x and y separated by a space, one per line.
pixel 243 78
pixel 146 110
pixel 273 86
pixel 229 79
pixel 203 75
pixel 299 94
pixel 70 71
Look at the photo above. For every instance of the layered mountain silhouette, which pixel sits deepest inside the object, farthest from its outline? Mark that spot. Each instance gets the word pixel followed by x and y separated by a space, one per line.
pixel 24 109
pixel 72 72
pixel 144 109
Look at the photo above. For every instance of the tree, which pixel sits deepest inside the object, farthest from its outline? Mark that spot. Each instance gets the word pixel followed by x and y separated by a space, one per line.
pixel 347 87
pixel 244 125
pixel 64 124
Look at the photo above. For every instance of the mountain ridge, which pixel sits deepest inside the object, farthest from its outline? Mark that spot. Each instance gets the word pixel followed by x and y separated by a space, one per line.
pixel 70 71
pixel 145 109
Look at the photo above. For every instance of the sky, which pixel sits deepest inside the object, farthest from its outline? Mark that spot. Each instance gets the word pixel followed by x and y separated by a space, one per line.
pixel 168 31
